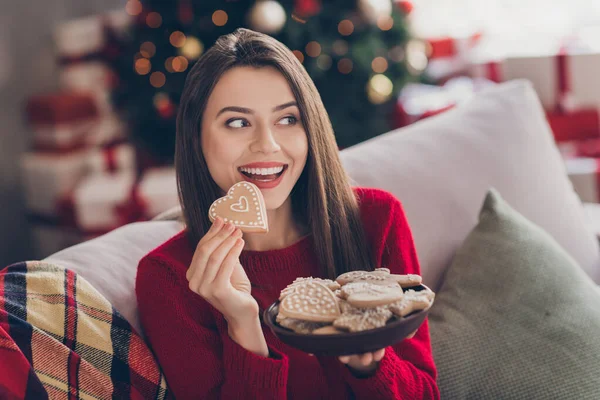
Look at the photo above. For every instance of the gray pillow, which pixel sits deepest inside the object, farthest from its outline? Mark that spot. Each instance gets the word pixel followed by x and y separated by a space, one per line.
pixel 517 317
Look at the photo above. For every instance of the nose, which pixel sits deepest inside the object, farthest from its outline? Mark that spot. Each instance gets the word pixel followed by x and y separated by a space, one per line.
pixel 264 141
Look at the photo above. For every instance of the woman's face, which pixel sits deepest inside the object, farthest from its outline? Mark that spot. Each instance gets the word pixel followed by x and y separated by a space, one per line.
pixel 251 130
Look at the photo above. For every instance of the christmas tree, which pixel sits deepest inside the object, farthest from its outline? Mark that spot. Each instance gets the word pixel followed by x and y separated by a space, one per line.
pixel 354 50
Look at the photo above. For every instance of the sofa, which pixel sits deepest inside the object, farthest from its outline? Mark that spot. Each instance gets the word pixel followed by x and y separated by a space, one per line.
pixel 459 175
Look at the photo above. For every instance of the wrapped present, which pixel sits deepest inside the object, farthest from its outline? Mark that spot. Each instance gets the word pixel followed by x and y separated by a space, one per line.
pixel 158 190
pixel 574 125
pixel 419 101
pixel 584 174
pixel 112 158
pixel 61 121
pixel 101 202
pixel 80 38
pixel 589 148
pixel 89 76
pixel 563 76
pixel 450 56
pixel 47 177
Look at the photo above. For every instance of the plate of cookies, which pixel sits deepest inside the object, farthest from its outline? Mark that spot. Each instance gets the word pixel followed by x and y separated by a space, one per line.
pixel 359 312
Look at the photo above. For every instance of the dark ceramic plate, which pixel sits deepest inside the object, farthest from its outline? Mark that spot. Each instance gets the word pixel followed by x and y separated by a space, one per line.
pixel 348 343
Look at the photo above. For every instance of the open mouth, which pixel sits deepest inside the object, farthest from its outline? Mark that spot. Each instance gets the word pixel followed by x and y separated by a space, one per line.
pixel 263 174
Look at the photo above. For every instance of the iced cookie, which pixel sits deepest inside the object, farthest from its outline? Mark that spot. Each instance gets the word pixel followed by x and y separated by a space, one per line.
pixel 334 286
pixel 244 206
pixel 298 325
pixel 380 276
pixel 369 295
pixel 311 301
pixel 357 319
pixel 412 301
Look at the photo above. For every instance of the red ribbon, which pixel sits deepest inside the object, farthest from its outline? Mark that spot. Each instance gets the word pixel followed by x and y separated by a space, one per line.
pixel 564 82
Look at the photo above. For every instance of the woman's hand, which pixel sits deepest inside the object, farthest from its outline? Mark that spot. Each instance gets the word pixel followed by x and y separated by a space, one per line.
pixel 363 364
pixel 367 363
pixel 216 274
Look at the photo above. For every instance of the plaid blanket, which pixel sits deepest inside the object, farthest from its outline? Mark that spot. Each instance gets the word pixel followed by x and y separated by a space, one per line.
pixel 60 339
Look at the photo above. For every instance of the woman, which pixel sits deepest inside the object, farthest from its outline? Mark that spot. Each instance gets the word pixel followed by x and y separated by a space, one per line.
pixel 249 111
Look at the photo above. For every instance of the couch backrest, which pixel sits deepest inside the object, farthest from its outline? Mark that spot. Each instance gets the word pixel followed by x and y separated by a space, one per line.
pixel 109 262
pixel 442 167
pixel 439 168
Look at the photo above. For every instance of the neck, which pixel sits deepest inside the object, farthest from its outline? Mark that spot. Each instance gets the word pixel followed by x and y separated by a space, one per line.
pixel 283 230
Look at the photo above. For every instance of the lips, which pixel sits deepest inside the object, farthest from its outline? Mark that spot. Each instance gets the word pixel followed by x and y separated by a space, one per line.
pixel 265 175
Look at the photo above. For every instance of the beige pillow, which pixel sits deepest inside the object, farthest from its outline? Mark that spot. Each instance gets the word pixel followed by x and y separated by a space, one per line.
pixel 516 317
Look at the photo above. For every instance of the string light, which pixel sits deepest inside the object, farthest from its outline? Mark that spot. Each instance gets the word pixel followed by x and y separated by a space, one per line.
pixel 379 89
pixel 340 47
pixel 169 64
pixel 313 49
pixel 385 22
pixel 147 49
pixel 157 79
pixel 160 99
pixel 177 39
pixel 379 65
pixel 154 20
pixel 192 49
pixel 299 55
pixel 345 66
pixel 324 62
pixel 143 66
pixel 179 64
pixel 219 18
pixel 396 54
pixel 133 7
pixel 346 27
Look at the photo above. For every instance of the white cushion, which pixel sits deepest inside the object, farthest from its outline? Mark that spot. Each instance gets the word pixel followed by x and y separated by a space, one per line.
pixel 441 168
pixel 109 262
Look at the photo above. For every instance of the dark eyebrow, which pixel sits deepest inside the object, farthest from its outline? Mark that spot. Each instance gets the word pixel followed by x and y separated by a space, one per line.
pixel 244 110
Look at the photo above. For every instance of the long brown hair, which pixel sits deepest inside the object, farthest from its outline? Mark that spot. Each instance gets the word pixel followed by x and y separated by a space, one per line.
pixel 322 198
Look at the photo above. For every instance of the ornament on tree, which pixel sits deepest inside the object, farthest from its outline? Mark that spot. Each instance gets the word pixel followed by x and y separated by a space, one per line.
pixel 379 89
pixel 406 6
pixel 373 10
pixel 267 16
pixel 307 8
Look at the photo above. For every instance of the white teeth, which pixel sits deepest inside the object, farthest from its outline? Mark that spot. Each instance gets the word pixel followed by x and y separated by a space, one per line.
pixel 262 171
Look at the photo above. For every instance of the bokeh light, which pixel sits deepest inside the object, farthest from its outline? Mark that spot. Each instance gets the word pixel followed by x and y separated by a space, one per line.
pixel 177 39
pixel 219 18
pixel 313 49
pixel 346 27
pixel 157 79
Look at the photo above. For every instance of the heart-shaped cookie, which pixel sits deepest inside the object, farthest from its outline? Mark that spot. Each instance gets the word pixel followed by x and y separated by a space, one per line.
pixel 244 206
pixel 311 301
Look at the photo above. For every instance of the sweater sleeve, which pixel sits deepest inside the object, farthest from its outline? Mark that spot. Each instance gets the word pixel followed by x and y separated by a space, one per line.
pixel 199 362
pixel 407 370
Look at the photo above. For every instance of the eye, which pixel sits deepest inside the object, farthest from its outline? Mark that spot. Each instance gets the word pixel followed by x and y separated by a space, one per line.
pixel 291 120
pixel 237 123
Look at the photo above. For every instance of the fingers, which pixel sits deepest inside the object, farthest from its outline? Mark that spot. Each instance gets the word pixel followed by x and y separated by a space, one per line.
pixel 204 251
pixel 213 230
pixel 378 355
pixel 364 359
pixel 223 276
pixel 215 260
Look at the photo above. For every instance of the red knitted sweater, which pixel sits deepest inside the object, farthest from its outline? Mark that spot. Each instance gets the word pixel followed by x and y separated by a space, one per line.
pixel 199 359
